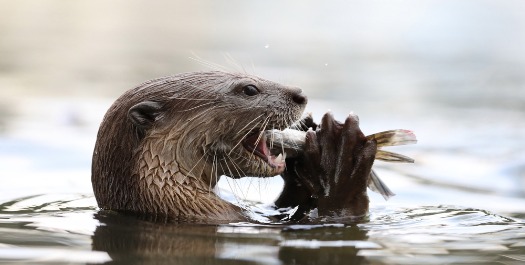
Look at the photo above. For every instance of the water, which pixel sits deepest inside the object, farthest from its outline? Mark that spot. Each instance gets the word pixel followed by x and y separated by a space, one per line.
pixel 451 71
pixel 68 229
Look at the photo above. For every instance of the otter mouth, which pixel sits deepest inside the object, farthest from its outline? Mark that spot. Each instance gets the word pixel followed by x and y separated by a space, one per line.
pixel 257 144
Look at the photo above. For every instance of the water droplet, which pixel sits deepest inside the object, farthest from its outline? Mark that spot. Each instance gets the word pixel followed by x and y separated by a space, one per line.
pixel 267 46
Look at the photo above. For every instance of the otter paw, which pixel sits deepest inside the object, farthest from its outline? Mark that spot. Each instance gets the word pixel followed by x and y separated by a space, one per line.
pixel 335 168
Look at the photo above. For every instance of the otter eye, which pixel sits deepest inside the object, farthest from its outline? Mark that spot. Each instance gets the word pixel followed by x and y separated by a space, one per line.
pixel 250 90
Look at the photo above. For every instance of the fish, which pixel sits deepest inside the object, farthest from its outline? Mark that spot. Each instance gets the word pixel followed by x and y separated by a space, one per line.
pixel 292 143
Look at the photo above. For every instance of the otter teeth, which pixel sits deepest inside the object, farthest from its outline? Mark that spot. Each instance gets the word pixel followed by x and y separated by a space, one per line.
pixel 280 159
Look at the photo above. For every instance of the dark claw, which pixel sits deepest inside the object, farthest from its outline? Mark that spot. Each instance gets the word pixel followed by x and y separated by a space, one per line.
pixel 333 173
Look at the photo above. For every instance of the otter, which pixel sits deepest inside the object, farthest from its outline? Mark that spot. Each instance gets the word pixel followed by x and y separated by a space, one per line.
pixel 163 145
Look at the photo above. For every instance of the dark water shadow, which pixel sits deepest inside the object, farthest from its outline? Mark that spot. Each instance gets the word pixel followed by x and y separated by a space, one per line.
pixel 129 240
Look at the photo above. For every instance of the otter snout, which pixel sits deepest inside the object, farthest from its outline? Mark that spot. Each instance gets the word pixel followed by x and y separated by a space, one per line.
pixel 298 96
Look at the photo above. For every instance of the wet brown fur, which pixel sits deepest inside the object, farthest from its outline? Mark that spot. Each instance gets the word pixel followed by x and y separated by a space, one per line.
pixel 167 161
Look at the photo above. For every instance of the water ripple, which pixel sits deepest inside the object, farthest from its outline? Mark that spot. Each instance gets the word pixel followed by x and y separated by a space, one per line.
pixel 68 228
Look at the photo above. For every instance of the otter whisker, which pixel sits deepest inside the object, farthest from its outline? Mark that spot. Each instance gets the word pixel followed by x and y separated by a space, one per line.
pixel 196 99
pixel 244 136
pixel 194 166
pixel 228 167
pixel 185 86
pixel 199 106
pixel 213 165
pixel 272 138
pixel 211 65
pixel 234 167
pixel 229 59
pixel 202 113
pixel 261 133
pixel 193 91
pixel 228 180
pixel 282 147
pixel 237 168
pixel 217 164
pixel 253 120
pixel 250 184
pixel 253 66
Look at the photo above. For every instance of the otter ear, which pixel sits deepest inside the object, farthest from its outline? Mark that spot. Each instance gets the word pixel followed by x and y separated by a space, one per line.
pixel 144 114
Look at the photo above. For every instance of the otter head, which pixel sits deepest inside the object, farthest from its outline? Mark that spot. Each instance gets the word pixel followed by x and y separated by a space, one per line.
pixel 182 132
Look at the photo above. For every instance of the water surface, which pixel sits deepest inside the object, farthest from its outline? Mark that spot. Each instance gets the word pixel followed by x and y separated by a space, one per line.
pixel 66 229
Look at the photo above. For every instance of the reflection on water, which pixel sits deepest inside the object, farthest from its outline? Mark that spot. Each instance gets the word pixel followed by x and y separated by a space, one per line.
pixel 48 229
pixel 69 229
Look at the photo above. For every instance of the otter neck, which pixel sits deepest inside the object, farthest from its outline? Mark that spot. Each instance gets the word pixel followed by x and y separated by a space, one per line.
pixel 172 187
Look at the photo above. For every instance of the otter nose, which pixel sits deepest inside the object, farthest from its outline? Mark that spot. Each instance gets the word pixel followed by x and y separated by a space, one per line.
pixel 298 97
